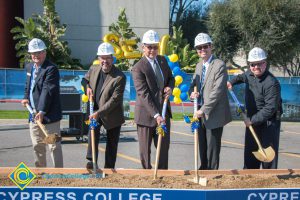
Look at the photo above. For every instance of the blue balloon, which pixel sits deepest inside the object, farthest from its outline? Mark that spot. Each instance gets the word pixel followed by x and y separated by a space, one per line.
pixel 184 88
pixel 171 98
pixel 183 96
pixel 171 65
pixel 183 74
pixel 115 60
pixel 176 64
pixel 176 71
pixel 167 58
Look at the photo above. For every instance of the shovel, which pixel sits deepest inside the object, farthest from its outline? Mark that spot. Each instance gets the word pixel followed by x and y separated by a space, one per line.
pixel 262 154
pixel 93 140
pixel 199 180
pixel 159 139
pixel 49 138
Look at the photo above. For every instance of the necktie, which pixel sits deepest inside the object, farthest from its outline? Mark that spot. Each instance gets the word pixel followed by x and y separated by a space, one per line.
pixel 159 77
pixel 203 75
pixel 201 83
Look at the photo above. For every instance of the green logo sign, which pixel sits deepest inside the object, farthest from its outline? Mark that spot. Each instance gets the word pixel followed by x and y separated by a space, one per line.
pixel 22 176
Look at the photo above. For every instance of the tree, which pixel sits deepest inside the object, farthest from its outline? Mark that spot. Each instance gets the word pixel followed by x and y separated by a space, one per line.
pixel 273 25
pixel 48 28
pixel 188 57
pixel 122 29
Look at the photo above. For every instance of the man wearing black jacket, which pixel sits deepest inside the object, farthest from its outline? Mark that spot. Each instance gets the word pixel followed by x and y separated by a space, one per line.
pixel 42 94
pixel 263 104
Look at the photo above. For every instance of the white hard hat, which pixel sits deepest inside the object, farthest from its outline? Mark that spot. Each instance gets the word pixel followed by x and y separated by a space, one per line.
pixel 256 54
pixel 150 37
pixel 36 45
pixel 105 49
pixel 202 38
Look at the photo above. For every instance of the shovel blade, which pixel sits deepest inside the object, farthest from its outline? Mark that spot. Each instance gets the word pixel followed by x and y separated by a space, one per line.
pixel 265 155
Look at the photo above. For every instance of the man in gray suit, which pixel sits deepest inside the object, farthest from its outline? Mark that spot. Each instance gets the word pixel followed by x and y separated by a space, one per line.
pixel 153 82
pixel 213 110
pixel 105 84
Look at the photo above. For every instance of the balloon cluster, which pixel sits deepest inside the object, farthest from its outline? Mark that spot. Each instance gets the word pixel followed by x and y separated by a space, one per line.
pixel 180 92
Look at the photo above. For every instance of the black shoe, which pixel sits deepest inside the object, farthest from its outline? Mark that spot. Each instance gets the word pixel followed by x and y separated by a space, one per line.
pixel 89 165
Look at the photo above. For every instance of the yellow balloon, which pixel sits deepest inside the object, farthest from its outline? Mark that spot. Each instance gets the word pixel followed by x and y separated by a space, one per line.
pixel 178 80
pixel 177 100
pixel 163 44
pixel 176 92
pixel 96 62
pixel 84 98
pixel 173 58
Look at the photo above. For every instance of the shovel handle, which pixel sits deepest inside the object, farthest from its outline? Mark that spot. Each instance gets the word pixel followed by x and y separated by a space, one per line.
pixel 42 127
pixel 160 139
pixel 196 139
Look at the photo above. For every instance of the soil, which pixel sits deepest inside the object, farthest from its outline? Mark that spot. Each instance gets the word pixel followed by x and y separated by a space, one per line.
pixel 169 182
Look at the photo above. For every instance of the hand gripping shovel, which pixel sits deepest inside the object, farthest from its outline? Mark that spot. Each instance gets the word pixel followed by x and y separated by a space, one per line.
pixel 160 131
pixel 263 154
pixel 49 138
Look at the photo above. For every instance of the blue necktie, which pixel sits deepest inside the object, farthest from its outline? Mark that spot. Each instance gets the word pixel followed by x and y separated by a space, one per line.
pixel 201 83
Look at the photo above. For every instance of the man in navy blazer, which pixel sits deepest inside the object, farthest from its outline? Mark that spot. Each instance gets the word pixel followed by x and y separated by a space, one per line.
pixel 42 94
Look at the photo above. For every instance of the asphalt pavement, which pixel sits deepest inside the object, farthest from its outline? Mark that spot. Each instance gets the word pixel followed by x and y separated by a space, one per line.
pixel 15 147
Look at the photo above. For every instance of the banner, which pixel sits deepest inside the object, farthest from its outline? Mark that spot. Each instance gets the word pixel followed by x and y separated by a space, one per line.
pixel 49 193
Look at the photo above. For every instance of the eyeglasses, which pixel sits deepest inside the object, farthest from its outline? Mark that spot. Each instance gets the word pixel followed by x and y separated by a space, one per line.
pixel 202 47
pixel 154 47
pixel 36 53
pixel 260 64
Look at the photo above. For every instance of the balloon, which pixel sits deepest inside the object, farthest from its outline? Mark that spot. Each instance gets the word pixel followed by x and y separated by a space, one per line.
pixel 176 71
pixel 96 62
pixel 129 53
pixel 115 60
pixel 176 92
pixel 184 96
pixel 173 58
pixel 184 88
pixel 176 64
pixel 167 58
pixel 183 74
pixel 178 80
pixel 177 100
pixel 163 44
pixel 84 98
pixel 114 41
pixel 171 98
pixel 171 65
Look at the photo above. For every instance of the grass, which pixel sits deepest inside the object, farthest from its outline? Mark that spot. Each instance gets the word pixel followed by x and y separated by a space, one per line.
pixel 20 114
pixel 13 114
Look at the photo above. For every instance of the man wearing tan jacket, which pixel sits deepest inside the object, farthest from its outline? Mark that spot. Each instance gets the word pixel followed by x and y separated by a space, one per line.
pixel 213 110
pixel 105 84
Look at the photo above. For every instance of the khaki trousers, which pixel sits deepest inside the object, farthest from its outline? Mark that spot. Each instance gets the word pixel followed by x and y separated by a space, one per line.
pixel 39 148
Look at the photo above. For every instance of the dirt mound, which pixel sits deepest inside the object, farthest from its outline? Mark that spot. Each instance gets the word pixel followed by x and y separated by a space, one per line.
pixel 178 182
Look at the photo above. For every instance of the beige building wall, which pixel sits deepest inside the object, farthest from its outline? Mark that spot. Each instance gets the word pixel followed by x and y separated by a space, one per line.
pixel 88 21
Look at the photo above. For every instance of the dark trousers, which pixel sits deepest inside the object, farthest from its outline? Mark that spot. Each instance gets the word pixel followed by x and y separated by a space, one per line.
pixel 145 135
pixel 209 147
pixel 112 141
pixel 268 135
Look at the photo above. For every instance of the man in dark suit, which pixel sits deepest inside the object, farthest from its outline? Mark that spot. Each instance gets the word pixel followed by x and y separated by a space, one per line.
pixel 42 94
pixel 105 84
pixel 153 82
pixel 210 78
